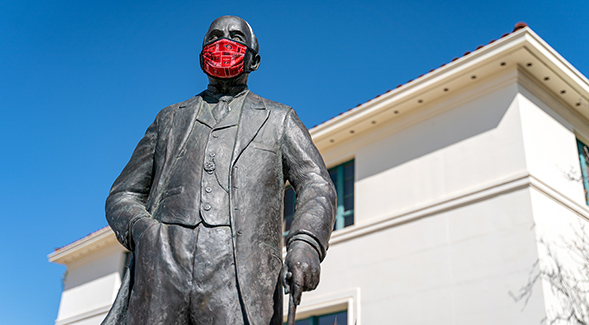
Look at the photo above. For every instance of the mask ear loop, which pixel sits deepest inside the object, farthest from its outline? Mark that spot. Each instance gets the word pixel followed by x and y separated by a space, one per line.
pixel 252 56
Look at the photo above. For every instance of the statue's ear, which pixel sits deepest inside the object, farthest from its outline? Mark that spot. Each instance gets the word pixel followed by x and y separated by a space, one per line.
pixel 255 62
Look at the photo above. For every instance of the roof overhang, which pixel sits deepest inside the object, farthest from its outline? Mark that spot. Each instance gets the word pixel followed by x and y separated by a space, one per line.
pixel 522 49
pixel 83 247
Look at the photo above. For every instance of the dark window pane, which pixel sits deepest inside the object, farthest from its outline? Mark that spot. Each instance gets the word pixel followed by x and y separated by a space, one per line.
pixel 289 195
pixel 288 209
pixel 349 186
pixel 287 223
pixel 584 159
pixel 289 202
pixel 333 175
pixel 349 203
pixel 303 322
pixel 341 318
pixel 349 220
pixel 349 171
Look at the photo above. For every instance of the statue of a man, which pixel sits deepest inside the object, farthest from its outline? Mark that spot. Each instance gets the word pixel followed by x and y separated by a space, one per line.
pixel 200 203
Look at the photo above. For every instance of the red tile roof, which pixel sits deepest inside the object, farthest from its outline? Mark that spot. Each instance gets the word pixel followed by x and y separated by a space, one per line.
pixel 76 241
pixel 517 27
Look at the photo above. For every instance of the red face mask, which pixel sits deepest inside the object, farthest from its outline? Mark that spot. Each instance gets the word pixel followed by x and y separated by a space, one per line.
pixel 223 58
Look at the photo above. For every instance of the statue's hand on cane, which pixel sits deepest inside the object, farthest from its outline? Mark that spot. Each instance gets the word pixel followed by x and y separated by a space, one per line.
pixel 300 273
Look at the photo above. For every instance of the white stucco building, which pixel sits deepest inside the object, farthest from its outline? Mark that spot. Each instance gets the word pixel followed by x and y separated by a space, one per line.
pixel 448 186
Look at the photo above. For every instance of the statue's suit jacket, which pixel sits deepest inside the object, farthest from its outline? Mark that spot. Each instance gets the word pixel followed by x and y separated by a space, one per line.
pixel 272 146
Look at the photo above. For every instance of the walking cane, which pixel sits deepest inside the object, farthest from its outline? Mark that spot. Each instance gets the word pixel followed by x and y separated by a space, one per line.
pixel 292 309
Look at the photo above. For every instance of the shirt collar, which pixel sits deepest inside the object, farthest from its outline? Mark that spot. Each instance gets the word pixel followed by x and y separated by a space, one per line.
pixel 234 92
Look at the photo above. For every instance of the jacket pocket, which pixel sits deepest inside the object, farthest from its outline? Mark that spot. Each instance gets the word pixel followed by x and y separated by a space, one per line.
pixel 261 146
pixel 275 252
pixel 143 228
pixel 173 191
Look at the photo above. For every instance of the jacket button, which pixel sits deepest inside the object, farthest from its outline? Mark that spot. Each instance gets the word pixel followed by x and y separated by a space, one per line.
pixel 207 207
pixel 208 190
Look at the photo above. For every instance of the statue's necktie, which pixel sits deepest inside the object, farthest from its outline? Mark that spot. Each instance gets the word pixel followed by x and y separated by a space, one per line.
pixel 222 108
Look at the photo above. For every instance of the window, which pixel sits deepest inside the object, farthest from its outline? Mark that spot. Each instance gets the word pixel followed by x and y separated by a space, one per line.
pixel 343 179
pixel 584 160
pixel 289 208
pixel 339 318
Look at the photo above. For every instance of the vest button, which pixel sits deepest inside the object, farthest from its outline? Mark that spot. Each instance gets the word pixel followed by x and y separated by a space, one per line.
pixel 209 166
pixel 207 207
pixel 208 190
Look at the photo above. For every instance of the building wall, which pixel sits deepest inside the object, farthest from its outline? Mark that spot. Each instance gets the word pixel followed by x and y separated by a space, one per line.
pixel 90 286
pixel 452 224
pixel 453 267
pixel 558 204
pixel 549 134
pixel 455 145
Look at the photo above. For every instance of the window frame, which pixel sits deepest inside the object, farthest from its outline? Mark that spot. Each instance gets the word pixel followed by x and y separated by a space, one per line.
pixel 584 162
pixel 341 212
pixel 329 303
pixel 314 320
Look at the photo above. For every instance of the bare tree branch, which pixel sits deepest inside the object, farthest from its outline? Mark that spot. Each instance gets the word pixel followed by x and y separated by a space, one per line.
pixel 570 284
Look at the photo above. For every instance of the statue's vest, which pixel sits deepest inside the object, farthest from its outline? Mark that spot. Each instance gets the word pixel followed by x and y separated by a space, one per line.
pixel 198 187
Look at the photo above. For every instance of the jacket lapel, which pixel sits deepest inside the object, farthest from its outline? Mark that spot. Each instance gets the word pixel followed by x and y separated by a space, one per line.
pixel 205 116
pixel 183 123
pixel 253 115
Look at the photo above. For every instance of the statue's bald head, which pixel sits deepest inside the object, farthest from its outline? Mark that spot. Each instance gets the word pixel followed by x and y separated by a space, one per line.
pixel 234 28
pixel 223 74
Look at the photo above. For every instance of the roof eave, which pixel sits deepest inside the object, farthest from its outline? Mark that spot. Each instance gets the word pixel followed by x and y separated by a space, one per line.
pixel 83 246
pixel 523 38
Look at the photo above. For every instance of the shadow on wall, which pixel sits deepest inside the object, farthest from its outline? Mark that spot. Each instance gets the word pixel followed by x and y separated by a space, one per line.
pixel 435 133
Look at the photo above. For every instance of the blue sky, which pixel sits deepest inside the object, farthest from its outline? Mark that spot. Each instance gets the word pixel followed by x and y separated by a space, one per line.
pixel 80 81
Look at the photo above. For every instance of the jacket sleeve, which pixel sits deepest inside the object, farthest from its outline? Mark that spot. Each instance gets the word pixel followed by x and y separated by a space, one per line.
pixel 126 202
pixel 316 196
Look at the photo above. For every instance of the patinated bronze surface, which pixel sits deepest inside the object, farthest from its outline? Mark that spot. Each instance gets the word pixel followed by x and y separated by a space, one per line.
pixel 200 204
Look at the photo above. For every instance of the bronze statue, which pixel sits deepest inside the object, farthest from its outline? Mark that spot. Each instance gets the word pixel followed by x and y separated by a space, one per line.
pixel 200 203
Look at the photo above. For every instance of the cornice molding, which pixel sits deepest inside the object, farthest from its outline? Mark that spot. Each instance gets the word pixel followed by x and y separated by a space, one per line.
pixel 515 182
pixel 522 49
pixel 83 247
